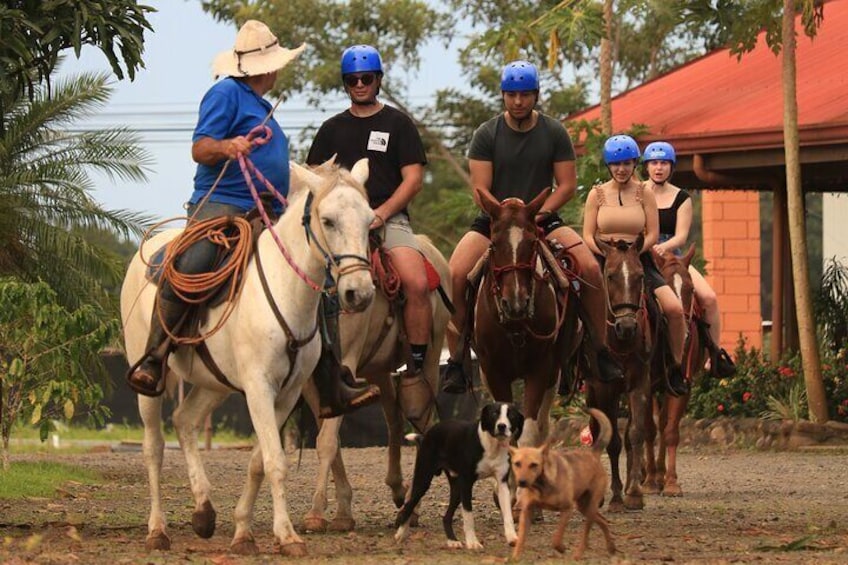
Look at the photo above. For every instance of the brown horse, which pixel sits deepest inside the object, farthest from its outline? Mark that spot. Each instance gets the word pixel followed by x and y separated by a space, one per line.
pixel 629 338
pixel 522 327
pixel 668 410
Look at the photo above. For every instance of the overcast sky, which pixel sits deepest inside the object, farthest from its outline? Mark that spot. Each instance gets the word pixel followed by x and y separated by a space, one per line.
pixel 161 103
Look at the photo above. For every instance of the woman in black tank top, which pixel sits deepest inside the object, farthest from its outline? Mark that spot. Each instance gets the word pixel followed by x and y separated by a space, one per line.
pixel 675 223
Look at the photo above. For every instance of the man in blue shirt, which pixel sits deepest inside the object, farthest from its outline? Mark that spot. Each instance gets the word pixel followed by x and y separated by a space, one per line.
pixel 230 109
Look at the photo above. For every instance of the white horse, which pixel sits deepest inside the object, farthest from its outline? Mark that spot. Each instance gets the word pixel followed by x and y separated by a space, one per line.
pixel 372 347
pixel 251 348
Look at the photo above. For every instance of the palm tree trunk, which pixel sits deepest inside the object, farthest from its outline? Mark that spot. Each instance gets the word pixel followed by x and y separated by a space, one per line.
pixel 810 360
pixel 606 70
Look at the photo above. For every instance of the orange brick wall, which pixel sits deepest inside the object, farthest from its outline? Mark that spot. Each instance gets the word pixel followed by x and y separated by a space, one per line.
pixel 731 228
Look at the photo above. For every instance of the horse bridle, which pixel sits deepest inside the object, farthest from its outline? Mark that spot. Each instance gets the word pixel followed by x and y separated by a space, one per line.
pixel 497 272
pixel 631 310
pixel 332 261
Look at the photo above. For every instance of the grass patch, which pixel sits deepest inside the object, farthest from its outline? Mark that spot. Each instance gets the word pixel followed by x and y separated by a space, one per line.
pixel 110 433
pixel 41 478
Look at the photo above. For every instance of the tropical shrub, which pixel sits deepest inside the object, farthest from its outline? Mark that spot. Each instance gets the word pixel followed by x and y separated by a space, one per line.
pixel 761 388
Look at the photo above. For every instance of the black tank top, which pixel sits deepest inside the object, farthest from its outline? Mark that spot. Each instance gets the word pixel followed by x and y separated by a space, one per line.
pixel 668 216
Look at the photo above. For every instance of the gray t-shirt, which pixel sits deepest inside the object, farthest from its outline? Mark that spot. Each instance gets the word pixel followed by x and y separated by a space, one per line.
pixel 522 162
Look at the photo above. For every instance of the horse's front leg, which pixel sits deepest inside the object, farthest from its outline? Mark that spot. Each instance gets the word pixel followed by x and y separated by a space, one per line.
pixel 676 408
pixel 327 447
pixel 639 400
pixel 268 415
pixel 652 485
pixel 189 417
pixel 605 398
pixel 395 425
pixel 150 410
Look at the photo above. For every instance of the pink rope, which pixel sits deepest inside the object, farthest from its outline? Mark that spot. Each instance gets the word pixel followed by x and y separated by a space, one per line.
pixel 260 136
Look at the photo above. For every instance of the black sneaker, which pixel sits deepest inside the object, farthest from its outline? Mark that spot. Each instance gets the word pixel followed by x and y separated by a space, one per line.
pixel 456 381
pixel 675 382
pixel 722 365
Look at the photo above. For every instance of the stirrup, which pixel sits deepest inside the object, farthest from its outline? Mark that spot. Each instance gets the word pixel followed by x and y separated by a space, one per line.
pixel 673 386
pixel 140 380
pixel 355 398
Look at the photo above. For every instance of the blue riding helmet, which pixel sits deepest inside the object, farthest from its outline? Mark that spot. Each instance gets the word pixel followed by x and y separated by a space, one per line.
pixel 660 151
pixel 620 148
pixel 519 76
pixel 361 59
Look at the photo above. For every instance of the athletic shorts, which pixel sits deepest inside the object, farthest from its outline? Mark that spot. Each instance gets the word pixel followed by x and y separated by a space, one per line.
pixel 398 233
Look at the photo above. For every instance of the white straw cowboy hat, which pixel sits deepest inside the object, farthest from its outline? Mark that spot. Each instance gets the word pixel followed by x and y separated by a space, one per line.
pixel 256 52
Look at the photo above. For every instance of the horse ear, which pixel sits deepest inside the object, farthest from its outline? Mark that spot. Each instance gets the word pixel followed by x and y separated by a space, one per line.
pixel 536 204
pixel 360 171
pixel 602 245
pixel 687 259
pixel 489 203
pixel 300 178
pixel 640 241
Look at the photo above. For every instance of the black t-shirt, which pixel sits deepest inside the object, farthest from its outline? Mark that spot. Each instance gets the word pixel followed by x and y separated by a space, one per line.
pixel 668 216
pixel 522 162
pixel 388 139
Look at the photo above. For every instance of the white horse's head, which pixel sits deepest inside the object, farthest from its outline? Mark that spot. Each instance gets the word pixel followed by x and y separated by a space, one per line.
pixel 340 220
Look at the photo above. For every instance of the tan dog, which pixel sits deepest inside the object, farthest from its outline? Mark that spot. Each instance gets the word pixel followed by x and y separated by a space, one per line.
pixel 553 481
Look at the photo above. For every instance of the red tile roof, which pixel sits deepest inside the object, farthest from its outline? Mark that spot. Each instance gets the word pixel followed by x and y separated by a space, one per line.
pixel 717 102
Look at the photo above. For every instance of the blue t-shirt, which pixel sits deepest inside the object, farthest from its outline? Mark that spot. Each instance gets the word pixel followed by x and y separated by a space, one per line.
pixel 229 109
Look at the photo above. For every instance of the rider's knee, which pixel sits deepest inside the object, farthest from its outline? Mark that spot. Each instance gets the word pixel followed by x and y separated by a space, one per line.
pixel 708 300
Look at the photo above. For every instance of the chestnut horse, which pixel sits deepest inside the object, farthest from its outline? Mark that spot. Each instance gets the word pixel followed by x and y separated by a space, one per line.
pixel 661 465
pixel 522 327
pixel 629 338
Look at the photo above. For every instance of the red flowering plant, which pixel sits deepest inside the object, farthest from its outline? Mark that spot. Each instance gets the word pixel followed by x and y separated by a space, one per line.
pixel 751 392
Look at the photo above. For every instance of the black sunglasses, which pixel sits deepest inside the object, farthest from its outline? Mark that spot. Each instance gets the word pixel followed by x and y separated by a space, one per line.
pixel 366 79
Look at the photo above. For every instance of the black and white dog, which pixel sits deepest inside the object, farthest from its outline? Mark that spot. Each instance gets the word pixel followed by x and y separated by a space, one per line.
pixel 466 452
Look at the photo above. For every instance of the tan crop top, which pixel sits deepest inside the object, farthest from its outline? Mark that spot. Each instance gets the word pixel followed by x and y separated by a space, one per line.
pixel 620 222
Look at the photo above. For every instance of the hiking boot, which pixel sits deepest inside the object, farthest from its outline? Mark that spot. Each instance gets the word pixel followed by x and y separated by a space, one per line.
pixel 675 382
pixel 456 381
pixel 145 377
pixel 609 369
pixel 338 392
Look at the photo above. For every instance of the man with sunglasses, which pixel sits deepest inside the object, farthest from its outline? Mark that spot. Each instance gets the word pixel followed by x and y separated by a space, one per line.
pixel 390 141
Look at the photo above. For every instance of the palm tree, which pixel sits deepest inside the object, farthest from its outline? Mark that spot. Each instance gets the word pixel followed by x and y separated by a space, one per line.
pixel 45 188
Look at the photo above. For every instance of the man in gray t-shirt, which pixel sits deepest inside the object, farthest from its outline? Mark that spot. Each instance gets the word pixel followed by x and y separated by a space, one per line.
pixel 520 153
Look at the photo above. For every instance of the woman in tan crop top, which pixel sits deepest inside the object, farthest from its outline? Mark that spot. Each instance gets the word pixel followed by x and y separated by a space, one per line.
pixel 621 209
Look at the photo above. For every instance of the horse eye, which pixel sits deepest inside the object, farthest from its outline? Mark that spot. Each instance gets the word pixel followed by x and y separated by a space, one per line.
pixel 328 223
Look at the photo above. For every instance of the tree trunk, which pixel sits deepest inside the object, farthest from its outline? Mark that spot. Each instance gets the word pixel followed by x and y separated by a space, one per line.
pixel 606 71
pixel 4 452
pixel 810 360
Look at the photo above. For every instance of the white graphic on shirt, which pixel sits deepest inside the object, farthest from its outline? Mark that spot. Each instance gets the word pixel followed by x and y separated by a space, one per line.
pixel 378 141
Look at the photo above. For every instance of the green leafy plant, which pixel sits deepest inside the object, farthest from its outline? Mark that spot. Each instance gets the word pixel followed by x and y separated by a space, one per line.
pixel 49 358
pixel 792 407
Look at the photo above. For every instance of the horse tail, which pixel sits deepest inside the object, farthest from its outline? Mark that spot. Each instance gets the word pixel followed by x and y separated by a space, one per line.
pixel 605 434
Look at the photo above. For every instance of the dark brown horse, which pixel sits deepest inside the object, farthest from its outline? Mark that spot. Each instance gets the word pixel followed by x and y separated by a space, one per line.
pixel 522 327
pixel 629 337
pixel 668 410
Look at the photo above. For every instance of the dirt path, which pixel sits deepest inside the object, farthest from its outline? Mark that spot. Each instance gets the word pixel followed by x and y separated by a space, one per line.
pixel 739 506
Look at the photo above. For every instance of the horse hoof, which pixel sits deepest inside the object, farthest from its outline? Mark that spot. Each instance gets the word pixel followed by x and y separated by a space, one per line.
pixel 157 540
pixel 672 489
pixel 651 487
pixel 616 505
pixel 244 546
pixel 315 524
pixel 203 521
pixel 413 520
pixel 632 502
pixel 294 549
pixel 342 525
